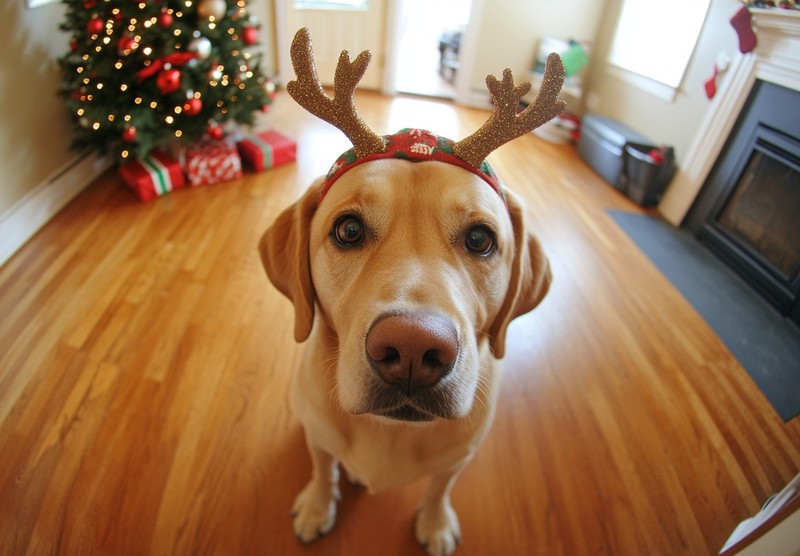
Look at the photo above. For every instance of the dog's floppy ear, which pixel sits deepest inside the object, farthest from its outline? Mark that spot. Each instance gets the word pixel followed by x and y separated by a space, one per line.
pixel 284 254
pixel 529 282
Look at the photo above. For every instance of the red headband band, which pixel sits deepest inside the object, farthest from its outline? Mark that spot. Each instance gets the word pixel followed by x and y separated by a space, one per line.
pixel 414 145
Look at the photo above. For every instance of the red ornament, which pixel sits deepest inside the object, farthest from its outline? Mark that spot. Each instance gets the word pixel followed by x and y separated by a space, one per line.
pixel 95 26
pixel 164 20
pixel 89 4
pixel 250 35
pixel 168 80
pixel 129 134
pixel 192 106
pixel 126 43
pixel 215 132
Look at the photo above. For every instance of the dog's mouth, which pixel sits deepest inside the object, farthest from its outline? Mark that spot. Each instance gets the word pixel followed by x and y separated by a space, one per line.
pixel 407 413
pixel 430 405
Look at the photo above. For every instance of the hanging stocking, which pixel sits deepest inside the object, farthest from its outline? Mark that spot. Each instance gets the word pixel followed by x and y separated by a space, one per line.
pixel 742 23
pixel 711 84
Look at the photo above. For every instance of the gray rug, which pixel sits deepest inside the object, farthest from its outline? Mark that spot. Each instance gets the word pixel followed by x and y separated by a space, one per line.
pixel 765 343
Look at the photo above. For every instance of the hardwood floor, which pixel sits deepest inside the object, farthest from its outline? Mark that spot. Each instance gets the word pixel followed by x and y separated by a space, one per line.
pixel 145 363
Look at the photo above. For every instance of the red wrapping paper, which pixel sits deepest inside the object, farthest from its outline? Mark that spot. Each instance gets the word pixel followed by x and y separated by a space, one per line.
pixel 152 176
pixel 267 150
pixel 212 162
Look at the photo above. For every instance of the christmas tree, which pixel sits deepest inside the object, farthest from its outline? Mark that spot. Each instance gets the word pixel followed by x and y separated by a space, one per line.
pixel 144 74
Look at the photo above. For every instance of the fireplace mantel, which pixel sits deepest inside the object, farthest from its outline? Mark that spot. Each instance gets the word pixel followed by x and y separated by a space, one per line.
pixel 776 59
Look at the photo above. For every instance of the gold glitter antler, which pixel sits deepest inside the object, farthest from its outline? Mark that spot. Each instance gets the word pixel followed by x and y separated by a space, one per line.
pixel 506 123
pixel 339 110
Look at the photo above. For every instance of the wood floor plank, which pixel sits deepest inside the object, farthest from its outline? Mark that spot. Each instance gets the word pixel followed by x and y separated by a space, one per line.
pixel 145 366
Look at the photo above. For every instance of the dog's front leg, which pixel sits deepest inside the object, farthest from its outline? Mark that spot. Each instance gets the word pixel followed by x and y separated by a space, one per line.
pixel 314 508
pixel 437 527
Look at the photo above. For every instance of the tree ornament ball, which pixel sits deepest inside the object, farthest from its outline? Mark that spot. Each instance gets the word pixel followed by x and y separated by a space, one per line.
pixel 212 9
pixel 192 106
pixel 129 134
pixel 202 46
pixel 168 80
pixel 250 35
pixel 126 44
pixel 215 132
pixel 95 26
pixel 164 20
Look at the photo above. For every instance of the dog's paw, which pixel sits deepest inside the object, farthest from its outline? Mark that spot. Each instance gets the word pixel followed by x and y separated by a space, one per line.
pixel 438 530
pixel 314 512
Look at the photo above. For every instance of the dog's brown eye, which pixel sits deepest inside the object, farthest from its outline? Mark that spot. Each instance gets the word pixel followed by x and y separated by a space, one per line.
pixel 479 240
pixel 349 231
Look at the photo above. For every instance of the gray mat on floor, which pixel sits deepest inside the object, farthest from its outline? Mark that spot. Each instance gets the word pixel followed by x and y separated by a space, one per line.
pixel 765 343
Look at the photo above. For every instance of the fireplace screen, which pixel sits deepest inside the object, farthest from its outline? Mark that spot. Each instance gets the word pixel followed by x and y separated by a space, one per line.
pixel 748 212
pixel 764 211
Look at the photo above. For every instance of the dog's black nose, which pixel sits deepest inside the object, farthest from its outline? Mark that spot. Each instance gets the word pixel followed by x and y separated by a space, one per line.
pixel 412 350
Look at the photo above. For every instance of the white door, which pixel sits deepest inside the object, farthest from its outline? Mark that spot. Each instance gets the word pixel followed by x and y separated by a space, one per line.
pixel 335 25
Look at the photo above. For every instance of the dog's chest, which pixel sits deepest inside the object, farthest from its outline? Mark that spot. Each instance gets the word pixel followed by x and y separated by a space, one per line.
pixel 382 456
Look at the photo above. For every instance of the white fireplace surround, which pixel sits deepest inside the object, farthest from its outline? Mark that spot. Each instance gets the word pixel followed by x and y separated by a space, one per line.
pixel 776 59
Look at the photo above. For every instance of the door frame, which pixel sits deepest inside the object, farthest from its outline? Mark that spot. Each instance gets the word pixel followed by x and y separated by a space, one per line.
pixel 467 52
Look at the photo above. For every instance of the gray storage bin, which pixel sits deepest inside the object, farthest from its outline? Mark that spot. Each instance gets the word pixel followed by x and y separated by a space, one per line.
pixel 602 145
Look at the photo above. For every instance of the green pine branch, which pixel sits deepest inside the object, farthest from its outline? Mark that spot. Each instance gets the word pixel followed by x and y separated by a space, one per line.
pixel 115 108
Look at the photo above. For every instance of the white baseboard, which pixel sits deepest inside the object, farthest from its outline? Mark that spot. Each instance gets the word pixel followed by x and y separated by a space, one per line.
pixel 21 221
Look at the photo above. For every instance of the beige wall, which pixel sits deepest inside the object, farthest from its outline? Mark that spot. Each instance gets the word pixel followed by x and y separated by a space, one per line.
pixel 509 32
pixel 674 123
pixel 35 131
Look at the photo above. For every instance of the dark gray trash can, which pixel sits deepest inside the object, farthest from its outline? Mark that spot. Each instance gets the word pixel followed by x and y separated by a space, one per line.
pixel 646 172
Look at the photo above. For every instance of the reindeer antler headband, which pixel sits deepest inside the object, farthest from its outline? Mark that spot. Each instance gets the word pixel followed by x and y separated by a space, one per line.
pixel 505 124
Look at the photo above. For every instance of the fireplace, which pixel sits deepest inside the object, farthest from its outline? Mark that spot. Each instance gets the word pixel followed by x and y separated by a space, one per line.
pixel 748 211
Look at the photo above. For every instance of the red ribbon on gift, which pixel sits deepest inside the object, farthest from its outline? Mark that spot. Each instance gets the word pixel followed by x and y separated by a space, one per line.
pixel 175 59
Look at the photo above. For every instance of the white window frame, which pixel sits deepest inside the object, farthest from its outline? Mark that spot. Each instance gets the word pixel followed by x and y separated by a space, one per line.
pixel 654 41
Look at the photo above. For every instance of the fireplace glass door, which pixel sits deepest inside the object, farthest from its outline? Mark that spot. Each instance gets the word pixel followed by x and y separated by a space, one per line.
pixel 764 212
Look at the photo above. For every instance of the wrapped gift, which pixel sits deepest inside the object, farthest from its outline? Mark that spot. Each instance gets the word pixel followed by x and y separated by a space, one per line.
pixel 212 162
pixel 267 150
pixel 152 176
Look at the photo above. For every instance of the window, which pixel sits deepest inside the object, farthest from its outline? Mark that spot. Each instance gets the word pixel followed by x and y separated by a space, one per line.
pixel 654 41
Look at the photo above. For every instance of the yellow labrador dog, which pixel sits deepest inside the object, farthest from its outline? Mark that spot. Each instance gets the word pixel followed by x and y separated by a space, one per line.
pixel 404 276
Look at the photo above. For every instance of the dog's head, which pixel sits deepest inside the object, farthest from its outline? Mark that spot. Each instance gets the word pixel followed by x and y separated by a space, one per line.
pixel 416 258
pixel 413 266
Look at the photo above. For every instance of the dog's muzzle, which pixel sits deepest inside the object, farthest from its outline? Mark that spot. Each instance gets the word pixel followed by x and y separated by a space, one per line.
pixel 411 353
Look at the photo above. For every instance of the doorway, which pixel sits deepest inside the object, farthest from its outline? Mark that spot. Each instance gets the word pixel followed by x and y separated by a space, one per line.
pixel 430 36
